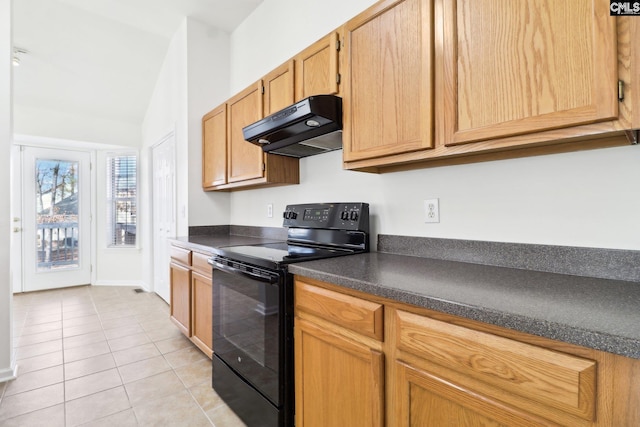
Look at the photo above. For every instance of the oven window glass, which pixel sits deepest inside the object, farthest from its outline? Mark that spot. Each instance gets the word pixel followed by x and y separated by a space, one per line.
pixel 246 329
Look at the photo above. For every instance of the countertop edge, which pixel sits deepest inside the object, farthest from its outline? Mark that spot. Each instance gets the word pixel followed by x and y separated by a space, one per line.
pixel 596 340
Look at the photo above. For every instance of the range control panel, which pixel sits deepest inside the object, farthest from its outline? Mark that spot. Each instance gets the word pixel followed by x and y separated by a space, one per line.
pixel 339 216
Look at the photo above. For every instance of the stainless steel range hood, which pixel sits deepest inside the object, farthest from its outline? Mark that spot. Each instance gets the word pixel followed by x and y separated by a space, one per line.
pixel 311 126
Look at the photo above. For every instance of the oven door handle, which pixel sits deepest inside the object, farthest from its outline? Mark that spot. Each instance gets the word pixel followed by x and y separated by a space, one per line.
pixel 259 277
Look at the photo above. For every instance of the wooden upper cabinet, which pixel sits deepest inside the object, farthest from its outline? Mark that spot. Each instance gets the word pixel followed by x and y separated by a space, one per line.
pixel 230 162
pixel 244 160
pixel 278 88
pixel 634 68
pixel 316 68
pixel 214 147
pixel 512 68
pixel 387 93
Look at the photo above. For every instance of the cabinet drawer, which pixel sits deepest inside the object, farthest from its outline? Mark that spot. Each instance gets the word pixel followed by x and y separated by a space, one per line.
pixel 200 264
pixel 359 315
pixel 555 379
pixel 180 255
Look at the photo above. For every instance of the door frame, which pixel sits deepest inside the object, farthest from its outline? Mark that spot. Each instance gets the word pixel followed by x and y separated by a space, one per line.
pixel 170 137
pixel 16 218
pixel 17 202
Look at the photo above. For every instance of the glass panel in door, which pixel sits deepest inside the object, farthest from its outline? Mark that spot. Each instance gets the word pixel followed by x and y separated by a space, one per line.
pixel 56 214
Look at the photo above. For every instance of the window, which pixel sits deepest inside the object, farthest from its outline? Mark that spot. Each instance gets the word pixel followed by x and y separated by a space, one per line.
pixel 122 200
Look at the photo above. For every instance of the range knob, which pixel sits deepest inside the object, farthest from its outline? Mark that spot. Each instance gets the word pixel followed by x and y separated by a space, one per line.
pixel 354 216
pixel 344 216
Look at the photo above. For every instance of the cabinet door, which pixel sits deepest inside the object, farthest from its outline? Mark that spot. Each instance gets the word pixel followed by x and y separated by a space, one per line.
pixel 426 400
pixel 316 68
pixel 512 68
pixel 214 147
pixel 278 88
pixel 244 160
pixel 387 99
pixel 180 311
pixel 549 383
pixel 201 303
pixel 339 382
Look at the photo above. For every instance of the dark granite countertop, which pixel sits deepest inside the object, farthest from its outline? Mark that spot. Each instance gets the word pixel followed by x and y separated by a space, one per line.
pixel 595 312
pixel 602 314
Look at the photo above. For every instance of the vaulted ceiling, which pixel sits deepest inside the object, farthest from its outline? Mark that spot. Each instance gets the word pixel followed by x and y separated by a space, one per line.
pixel 102 57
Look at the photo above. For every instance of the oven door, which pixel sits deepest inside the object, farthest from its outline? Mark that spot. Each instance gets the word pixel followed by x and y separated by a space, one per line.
pixel 248 324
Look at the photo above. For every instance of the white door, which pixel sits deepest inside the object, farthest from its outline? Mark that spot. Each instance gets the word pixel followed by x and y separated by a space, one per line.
pixel 56 218
pixel 164 211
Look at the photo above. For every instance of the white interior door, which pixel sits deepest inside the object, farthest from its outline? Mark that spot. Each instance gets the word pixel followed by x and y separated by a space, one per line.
pixel 164 212
pixel 56 218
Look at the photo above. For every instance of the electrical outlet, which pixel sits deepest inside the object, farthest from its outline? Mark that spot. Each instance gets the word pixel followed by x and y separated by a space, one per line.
pixel 270 210
pixel 431 210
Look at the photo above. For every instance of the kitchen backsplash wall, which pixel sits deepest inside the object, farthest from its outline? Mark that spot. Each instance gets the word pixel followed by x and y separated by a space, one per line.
pixel 588 199
pixel 588 262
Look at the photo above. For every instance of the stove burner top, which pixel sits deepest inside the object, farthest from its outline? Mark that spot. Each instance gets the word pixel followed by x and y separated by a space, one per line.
pixel 280 252
pixel 315 231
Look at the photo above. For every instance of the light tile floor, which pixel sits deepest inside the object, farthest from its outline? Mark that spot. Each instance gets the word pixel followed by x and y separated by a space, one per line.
pixel 104 356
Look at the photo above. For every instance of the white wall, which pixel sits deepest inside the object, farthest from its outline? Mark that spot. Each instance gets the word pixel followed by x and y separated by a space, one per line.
pixel 208 86
pixel 193 80
pixel 59 124
pixel 588 198
pixel 6 351
pixel 167 113
pixel 278 29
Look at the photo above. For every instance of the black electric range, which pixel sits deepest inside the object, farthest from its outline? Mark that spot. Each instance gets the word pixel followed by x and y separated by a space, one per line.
pixel 253 307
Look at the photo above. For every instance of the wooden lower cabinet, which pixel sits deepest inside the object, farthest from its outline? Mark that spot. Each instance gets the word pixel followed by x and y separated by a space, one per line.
pixel 541 381
pixel 340 380
pixel 424 399
pixel 338 359
pixel 180 299
pixel 202 335
pixel 430 369
pixel 191 297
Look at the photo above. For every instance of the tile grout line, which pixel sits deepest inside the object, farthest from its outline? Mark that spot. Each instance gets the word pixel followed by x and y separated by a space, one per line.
pixel 142 312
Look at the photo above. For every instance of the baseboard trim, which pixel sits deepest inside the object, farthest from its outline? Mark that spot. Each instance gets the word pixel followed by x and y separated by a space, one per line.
pixel 136 283
pixel 9 374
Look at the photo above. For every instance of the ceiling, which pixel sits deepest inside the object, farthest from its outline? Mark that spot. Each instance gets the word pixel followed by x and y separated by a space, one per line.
pixel 102 57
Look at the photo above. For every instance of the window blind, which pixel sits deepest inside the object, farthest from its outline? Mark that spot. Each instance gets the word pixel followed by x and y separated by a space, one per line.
pixel 122 200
